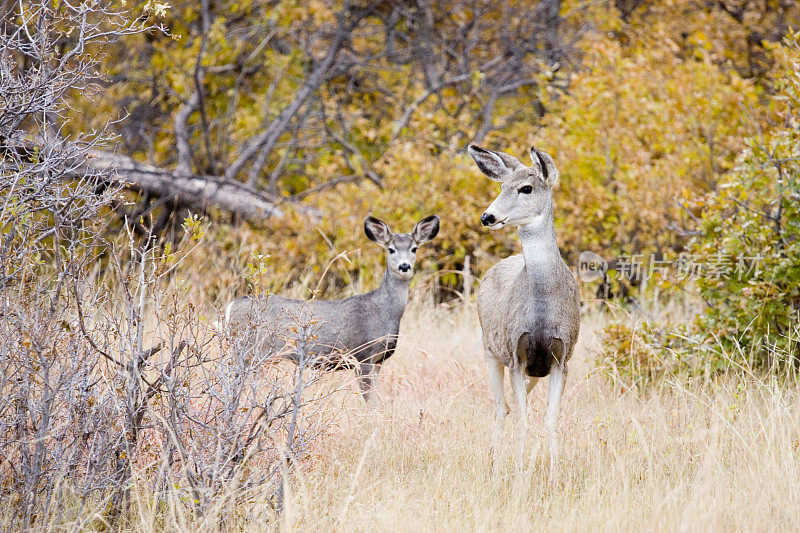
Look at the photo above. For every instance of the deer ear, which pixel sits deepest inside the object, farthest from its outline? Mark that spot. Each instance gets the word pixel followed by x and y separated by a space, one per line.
pixel 377 231
pixel 546 167
pixel 496 165
pixel 426 229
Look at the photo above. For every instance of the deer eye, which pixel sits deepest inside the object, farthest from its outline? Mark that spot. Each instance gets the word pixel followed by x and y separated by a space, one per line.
pixel 391 250
pixel 527 189
pixel 414 250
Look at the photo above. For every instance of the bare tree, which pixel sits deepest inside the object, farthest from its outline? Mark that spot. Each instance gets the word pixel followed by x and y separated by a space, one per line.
pixel 230 422
pixel 477 50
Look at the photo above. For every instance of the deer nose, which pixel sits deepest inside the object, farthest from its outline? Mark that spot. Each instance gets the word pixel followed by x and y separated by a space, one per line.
pixel 405 267
pixel 487 219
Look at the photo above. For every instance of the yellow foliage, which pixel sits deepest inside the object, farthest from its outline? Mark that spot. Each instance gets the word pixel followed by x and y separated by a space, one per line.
pixel 650 115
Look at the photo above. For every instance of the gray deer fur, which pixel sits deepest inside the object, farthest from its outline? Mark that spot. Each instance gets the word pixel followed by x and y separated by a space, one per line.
pixel 527 304
pixel 362 329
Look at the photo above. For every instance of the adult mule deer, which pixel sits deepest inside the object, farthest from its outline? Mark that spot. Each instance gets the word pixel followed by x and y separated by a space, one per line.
pixel 527 304
pixel 361 328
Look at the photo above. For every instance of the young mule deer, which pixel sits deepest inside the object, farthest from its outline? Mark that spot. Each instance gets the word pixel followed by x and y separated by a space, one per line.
pixel 361 328
pixel 527 304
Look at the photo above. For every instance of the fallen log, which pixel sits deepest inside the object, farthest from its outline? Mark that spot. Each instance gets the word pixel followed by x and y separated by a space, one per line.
pixel 196 191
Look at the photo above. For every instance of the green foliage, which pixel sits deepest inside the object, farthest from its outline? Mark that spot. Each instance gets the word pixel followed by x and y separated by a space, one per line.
pixel 751 223
pixel 755 221
pixel 633 356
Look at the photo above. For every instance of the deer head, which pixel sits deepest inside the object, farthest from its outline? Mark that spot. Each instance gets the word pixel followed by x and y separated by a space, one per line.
pixel 525 192
pixel 401 248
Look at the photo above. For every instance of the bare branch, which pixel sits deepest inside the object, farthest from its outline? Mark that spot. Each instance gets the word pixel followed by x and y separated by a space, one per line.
pixel 267 139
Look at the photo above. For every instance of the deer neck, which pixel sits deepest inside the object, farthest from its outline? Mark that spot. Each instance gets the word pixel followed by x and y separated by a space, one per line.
pixel 539 245
pixel 394 293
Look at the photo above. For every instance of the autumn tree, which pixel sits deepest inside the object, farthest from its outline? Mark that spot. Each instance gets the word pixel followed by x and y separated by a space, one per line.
pixel 297 117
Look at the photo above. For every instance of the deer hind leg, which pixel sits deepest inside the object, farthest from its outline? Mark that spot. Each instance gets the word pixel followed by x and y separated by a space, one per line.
pixel 558 376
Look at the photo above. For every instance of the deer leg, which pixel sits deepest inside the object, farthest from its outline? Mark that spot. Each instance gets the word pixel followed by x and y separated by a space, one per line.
pixel 519 386
pixel 496 372
pixel 558 376
pixel 367 378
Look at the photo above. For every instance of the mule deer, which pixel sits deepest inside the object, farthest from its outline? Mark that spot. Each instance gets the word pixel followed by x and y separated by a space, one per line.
pixel 527 304
pixel 361 328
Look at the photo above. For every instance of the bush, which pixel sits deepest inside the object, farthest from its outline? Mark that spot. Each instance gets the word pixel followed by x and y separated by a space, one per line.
pixel 106 371
pixel 752 223
pixel 750 231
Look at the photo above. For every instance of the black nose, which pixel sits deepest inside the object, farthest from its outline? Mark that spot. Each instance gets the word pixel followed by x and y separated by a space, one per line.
pixel 487 219
pixel 405 267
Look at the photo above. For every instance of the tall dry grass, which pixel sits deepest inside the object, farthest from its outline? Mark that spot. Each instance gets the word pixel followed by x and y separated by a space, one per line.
pixel 718 456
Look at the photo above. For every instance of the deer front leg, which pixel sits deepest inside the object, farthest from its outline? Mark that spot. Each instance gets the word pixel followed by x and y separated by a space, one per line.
pixel 496 372
pixel 519 386
pixel 367 378
pixel 558 376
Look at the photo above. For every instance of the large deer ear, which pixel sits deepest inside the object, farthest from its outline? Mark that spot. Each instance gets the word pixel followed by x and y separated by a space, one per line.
pixel 544 164
pixel 426 229
pixel 496 165
pixel 377 231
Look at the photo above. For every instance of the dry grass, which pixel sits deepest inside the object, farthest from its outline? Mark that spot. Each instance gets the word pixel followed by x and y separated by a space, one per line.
pixel 722 457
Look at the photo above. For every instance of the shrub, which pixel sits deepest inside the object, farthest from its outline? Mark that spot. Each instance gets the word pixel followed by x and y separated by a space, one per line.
pixel 106 372
pixel 751 228
pixel 753 224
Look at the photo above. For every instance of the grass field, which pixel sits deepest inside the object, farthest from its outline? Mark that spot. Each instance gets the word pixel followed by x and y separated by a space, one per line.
pixel 722 456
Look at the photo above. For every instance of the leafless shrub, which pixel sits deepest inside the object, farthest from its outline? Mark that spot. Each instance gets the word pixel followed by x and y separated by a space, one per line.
pixel 101 359
pixel 235 428
pixel 200 413
pixel 52 421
